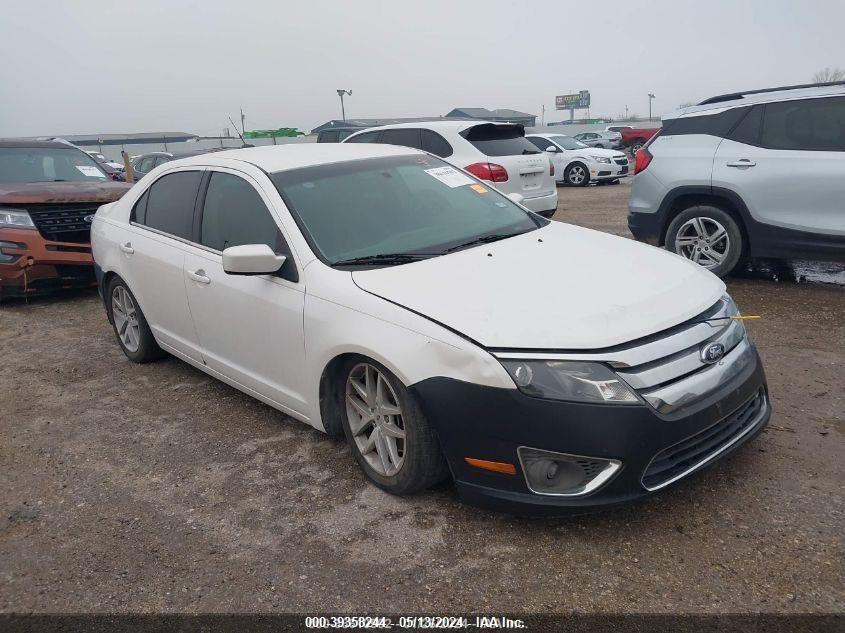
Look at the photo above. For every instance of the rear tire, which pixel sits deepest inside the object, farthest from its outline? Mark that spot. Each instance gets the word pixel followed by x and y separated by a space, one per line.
pixel 708 236
pixel 577 175
pixel 637 145
pixel 130 326
pixel 387 431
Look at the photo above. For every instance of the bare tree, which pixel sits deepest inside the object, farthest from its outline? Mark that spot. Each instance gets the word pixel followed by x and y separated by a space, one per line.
pixel 829 74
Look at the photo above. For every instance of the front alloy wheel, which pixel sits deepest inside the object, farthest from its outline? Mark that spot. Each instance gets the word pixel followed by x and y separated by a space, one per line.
pixel 390 436
pixel 577 175
pixel 375 419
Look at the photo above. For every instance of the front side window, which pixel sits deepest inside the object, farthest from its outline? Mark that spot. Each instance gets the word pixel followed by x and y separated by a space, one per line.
pixel 806 124
pixel 146 164
pixel 170 203
pixel 567 142
pixel 499 140
pixel 48 164
pixel 416 205
pixel 435 144
pixel 234 214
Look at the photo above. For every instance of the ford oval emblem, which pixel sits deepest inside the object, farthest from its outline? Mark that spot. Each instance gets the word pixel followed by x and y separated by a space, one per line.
pixel 88 218
pixel 712 353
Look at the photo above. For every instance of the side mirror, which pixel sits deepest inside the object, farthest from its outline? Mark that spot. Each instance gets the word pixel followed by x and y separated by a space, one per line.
pixel 251 259
pixel 516 197
pixel 551 149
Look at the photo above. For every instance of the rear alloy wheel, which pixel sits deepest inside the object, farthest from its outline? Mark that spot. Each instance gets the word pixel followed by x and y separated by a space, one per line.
pixel 577 175
pixel 134 335
pixel 637 145
pixel 707 236
pixel 389 435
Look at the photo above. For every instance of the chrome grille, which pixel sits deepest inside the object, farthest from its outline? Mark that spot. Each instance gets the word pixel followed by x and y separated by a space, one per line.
pixel 681 459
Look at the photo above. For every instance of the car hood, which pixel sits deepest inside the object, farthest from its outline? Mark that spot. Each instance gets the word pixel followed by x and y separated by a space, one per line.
pixel 559 287
pixel 49 192
pixel 598 152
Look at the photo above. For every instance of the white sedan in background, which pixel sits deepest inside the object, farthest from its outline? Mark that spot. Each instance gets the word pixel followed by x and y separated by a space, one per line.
pixel 495 152
pixel 577 164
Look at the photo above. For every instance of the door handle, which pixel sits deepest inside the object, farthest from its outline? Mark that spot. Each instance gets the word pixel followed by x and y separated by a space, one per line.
pixel 127 248
pixel 742 162
pixel 199 276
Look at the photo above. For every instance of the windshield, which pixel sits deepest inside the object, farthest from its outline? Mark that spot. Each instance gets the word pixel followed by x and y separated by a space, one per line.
pixel 47 164
pixel 414 205
pixel 567 142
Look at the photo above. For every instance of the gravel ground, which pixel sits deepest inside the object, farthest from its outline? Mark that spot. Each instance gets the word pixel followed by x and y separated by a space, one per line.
pixel 154 488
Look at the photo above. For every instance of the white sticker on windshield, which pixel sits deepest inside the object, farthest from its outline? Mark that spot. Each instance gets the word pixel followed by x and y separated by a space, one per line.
pixel 450 176
pixel 88 170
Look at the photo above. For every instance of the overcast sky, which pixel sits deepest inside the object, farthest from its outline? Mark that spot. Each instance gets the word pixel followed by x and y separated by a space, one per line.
pixel 153 65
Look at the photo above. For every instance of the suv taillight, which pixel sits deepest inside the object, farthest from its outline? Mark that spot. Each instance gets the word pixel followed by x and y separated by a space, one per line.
pixel 488 171
pixel 642 159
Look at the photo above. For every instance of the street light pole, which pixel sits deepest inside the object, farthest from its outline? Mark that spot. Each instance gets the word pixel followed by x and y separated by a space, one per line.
pixel 650 99
pixel 340 94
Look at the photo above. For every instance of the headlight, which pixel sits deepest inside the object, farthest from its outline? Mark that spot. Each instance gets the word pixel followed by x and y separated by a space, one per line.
pixel 569 380
pixel 731 308
pixel 601 159
pixel 14 219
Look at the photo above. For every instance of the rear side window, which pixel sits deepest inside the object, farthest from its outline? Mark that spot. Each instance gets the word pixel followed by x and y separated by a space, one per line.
pixel 139 212
pixel 234 214
pixel 748 130
pixel 366 137
pixel 499 140
pixel 710 124
pixel 406 137
pixel 806 124
pixel 146 164
pixel 332 136
pixel 163 159
pixel 170 204
pixel 434 143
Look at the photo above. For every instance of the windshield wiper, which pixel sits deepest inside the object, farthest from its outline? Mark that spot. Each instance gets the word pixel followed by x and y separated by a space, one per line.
pixel 388 259
pixel 484 239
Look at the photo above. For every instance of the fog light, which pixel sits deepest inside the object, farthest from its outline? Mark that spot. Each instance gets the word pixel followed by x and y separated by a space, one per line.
pixel 550 473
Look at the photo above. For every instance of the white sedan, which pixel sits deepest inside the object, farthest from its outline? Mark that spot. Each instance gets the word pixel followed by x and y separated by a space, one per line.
pixel 577 164
pixel 378 293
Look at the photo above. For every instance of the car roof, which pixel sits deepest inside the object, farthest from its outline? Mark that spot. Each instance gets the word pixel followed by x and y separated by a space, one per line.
pixel 437 126
pixel 714 105
pixel 27 143
pixel 273 158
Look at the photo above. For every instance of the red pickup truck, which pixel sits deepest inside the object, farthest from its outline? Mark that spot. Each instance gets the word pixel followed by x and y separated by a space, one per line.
pixel 636 137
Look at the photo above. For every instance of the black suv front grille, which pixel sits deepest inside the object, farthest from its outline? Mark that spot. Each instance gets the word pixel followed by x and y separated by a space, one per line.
pixel 685 456
pixel 63 222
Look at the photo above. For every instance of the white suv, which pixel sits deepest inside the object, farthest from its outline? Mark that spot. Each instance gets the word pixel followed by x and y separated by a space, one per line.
pixel 758 173
pixel 495 152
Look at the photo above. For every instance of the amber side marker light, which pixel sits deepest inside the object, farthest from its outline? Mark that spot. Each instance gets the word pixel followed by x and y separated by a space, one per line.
pixel 496 467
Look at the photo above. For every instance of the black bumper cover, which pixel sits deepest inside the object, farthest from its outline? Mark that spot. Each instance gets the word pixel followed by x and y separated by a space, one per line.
pixel 490 423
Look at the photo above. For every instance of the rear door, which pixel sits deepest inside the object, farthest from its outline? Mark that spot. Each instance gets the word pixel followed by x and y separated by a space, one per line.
pixel 786 160
pixel 558 157
pixel 161 224
pixel 506 145
pixel 250 327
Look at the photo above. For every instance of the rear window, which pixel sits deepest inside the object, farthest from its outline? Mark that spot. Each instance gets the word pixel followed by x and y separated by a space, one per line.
pixel 332 136
pixel 366 137
pixel 499 140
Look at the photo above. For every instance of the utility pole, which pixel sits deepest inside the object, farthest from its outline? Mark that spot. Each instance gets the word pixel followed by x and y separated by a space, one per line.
pixel 650 99
pixel 543 117
pixel 626 111
pixel 243 118
pixel 340 94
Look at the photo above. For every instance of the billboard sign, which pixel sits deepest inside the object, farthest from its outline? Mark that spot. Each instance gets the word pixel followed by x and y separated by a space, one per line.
pixel 573 101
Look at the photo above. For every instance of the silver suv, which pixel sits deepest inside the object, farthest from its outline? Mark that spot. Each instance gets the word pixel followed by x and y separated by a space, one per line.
pixel 757 174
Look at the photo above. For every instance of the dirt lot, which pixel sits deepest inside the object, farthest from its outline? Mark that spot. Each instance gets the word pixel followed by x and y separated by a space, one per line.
pixel 156 488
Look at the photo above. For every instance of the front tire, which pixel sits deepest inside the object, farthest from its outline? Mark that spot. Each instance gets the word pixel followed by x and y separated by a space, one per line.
pixel 390 437
pixel 130 326
pixel 577 175
pixel 708 236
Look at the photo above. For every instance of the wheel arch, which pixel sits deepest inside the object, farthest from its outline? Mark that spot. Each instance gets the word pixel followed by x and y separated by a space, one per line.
pixel 685 197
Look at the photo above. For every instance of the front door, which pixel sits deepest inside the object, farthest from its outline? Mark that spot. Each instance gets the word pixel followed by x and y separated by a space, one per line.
pixel 249 326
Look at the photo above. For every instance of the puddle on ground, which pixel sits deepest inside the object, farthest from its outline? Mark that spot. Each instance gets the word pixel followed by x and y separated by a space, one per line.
pixel 827 273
